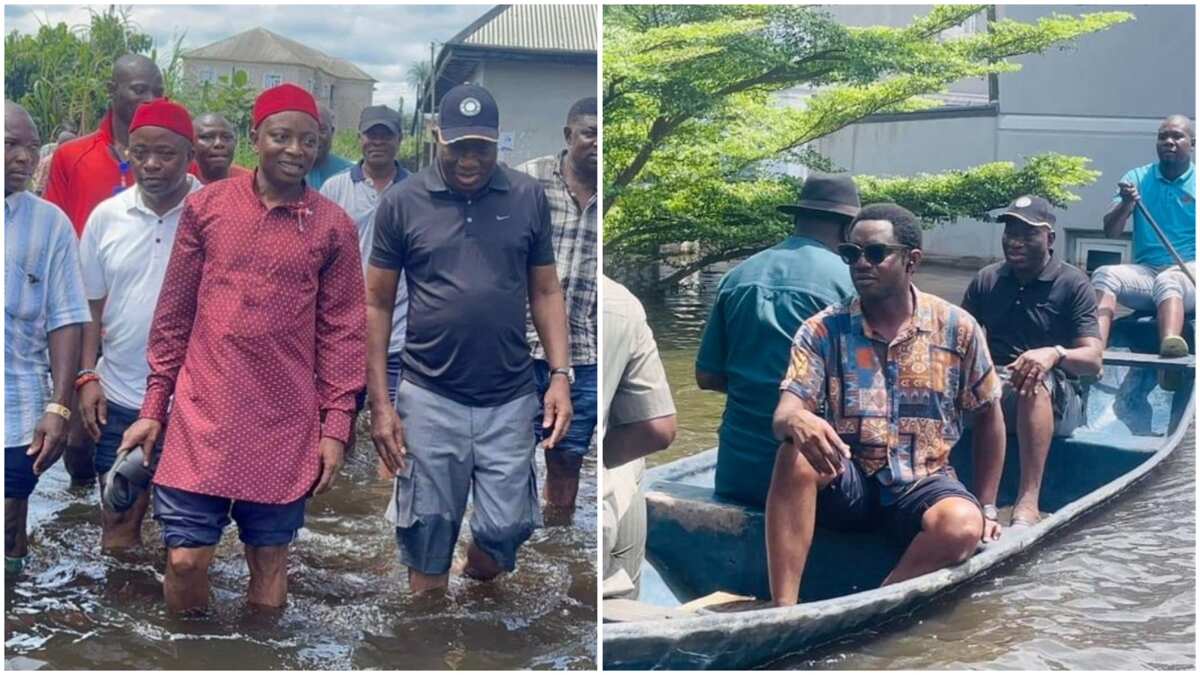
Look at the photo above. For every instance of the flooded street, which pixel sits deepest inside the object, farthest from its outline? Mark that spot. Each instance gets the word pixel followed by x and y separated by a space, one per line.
pixel 348 605
pixel 1116 590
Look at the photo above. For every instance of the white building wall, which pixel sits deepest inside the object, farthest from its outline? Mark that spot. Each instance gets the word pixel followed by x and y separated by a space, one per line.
pixel 349 96
pixel 1102 99
pixel 534 97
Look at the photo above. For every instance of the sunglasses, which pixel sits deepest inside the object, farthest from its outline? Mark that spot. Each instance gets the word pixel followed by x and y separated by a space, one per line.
pixel 874 253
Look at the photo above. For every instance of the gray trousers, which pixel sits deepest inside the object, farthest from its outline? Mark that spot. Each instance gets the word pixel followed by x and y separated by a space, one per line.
pixel 456 450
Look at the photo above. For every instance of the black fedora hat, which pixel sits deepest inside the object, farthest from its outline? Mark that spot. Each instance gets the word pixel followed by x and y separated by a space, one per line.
pixel 831 193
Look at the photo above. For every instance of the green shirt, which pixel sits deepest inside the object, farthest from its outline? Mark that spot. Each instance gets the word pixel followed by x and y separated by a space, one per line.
pixel 759 307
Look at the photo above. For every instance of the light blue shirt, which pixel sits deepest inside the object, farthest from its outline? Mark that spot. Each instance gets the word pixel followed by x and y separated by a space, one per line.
pixel 358 197
pixel 332 166
pixel 43 291
pixel 1172 203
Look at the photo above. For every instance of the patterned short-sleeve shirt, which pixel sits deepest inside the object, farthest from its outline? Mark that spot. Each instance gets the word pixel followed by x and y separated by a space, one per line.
pixel 898 405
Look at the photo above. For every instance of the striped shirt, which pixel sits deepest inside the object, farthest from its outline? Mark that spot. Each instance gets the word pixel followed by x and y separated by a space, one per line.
pixel 575 251
pixel 43 291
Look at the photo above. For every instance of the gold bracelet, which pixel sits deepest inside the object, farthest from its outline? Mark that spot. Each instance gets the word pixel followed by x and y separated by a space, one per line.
pixel 60 410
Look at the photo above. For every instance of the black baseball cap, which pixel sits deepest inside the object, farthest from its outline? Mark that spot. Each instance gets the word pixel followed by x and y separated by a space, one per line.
pixel 468 111
pixel 1030 209
pixel 379 114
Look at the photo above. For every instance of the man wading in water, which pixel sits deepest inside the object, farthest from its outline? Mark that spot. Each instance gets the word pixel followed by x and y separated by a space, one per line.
pixel 260 335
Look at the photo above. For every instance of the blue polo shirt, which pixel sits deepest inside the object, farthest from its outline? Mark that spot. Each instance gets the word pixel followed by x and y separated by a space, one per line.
pixel 759 307
pixel 466 259
pixel 1172 203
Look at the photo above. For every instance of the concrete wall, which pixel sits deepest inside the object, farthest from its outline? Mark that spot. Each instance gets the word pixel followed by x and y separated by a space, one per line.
pixel 349 96
pixel 1102 99
pixel 1141 68
pixel 534 97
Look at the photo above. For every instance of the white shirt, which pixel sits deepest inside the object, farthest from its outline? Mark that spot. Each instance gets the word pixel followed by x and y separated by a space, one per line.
pixel 124 253
pixel 357 195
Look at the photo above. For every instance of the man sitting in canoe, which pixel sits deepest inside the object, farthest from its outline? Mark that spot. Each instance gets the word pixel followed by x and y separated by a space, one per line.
pixel 1040 318
pixel 1167 190
pixel 871 405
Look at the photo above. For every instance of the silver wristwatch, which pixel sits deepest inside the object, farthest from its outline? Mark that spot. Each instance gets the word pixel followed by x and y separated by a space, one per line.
pixel 1062 354
pixel 568 372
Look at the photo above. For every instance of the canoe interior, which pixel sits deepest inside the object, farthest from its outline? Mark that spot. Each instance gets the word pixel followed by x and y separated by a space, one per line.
pixel 699 544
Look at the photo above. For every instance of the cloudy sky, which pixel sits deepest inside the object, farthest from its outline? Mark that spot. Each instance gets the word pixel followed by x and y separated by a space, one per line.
pixel 383 40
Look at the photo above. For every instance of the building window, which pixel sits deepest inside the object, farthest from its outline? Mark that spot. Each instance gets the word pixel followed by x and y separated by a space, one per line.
pixel 207 75
pixel 271 80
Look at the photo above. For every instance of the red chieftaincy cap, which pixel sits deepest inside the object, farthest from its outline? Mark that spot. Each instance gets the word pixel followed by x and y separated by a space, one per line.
pixel 165 113
pixel 283 98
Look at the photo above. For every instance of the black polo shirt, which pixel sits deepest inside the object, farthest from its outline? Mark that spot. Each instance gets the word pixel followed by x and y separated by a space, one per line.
pixel 1056 308
pixel 467 260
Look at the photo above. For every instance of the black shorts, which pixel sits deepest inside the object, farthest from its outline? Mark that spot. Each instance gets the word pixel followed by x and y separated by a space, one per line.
pixel 855 501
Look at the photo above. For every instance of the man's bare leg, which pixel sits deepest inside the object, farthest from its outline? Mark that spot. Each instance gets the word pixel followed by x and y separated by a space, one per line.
pixel 123 530
pixel 480 565
pixel 1170 318
pixel 185 584
pixel 562 485
pixel 1035 429
pixel 950 531
pixel 791 516
pixel 419 582
pixel 16 539
pixel 79 456
pixel 1106 309
pixel 268 575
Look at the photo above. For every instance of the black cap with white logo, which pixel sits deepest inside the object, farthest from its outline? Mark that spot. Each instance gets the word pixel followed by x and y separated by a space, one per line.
pixel 1030 209
pixel 468 111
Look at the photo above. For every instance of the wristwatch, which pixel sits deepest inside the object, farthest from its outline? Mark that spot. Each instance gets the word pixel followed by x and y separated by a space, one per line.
pixel 569 373
pixel 1062 353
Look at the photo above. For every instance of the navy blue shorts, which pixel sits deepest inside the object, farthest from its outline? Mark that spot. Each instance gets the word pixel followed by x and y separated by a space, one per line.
pixel 19 479
pixel 120 418
pixel 578 438
pixel 394 368
pixel 856 501
pixel 194 520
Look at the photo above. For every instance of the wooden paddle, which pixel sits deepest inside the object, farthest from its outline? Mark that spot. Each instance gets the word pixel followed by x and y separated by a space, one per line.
pixel 1163 238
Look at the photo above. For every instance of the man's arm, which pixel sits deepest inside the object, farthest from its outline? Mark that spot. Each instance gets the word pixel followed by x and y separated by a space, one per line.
pixel 711 381
pixel 628 442
pixel 549 311
pixel 174 315
pixel 987 446
pixel 1118 214
pixel 381 302
pixel 65 315
pixel 341 361
pixel 710 358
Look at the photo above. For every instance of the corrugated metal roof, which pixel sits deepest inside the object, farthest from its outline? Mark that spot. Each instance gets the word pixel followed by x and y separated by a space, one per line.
pixel 259 45
pixel 559 28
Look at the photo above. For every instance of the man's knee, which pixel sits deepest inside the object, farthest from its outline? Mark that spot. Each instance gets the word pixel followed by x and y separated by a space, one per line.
pixel 1107 281
pixel 793 469
pixel 1173 285
pixel 187 562
pixel 957 524
pixel 268 560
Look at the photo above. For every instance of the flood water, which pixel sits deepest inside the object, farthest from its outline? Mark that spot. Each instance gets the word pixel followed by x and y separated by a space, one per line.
pixel 348 605
pixel 1116 590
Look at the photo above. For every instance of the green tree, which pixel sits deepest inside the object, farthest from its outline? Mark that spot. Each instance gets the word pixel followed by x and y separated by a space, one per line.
pixel 691 126
pixel 59 73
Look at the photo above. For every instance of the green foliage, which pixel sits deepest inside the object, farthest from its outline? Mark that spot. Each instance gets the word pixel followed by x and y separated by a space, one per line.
pixel 693 121
pixel 59 74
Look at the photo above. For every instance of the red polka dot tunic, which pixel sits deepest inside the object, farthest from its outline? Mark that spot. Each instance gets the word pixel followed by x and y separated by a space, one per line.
pixel 260 334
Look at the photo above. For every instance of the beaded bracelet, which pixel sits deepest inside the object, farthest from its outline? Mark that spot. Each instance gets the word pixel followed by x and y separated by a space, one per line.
pixel 84 379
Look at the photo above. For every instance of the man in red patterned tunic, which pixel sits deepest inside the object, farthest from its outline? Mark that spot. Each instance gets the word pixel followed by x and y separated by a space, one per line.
pixel 260 336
